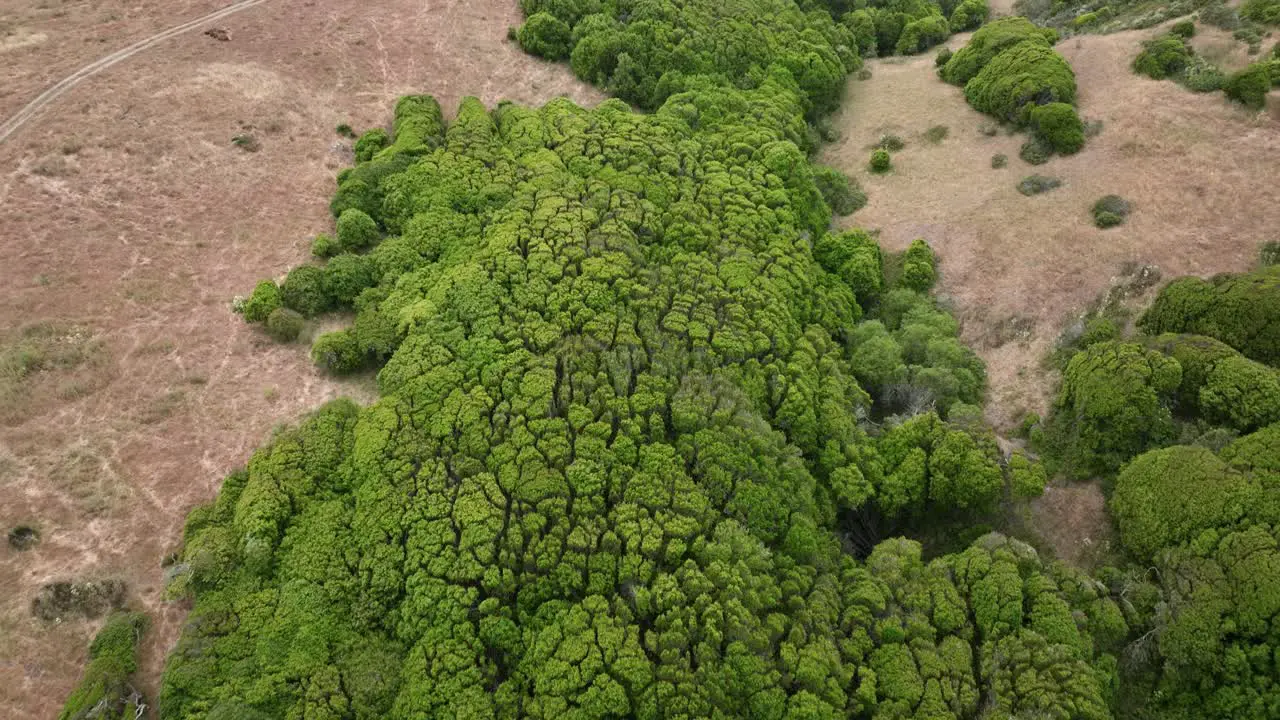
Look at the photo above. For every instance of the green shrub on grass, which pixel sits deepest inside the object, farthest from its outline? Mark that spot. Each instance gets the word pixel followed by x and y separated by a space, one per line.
pixel 1218 14
pixel 303 290
pixel 1250 86
pixel 990 41
pixel 1035 151
pixel 1184 29
pixel 324 246
pixel 892 143
pixel 942 58
pixel 1162 57
pixel 1028 74
pixel 106 691
pixel 880 161
pixel 265 298
pixel 285 325
pixel 1037 184
pixel 1201 75
pixel 338 352
pixel 1266 12
pixel 546 35
pixel 1110 210
pixel 999 160
pixel 969 15
pixel 1058 125
pixel 842 194
pixel 922 34
pixel 918 267
pixel 356 230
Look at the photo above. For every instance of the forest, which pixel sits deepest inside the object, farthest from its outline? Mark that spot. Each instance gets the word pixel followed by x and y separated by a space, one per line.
pixel 653 441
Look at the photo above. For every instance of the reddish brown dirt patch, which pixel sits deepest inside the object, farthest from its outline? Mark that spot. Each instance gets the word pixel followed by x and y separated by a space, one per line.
pixel 1196 168
pixel 127 212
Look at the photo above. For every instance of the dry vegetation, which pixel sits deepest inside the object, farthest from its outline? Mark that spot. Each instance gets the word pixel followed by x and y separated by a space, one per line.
pixel 1020 269
pixel 127 387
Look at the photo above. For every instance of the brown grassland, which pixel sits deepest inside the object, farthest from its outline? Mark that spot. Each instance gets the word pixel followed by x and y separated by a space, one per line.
pixel 127 387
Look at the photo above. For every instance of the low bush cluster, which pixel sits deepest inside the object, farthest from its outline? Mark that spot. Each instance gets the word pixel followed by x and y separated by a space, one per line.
pixel 1037 184
pixel 106 692
pixel 1110 210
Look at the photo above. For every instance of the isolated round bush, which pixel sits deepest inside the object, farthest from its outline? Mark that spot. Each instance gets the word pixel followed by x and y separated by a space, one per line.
pixel 1037 184
pixel 1059 126
pixel 303 290
pixel 1184 29
pixel 23 537
pixel 1027 73
pixel 285 325
pixel 265 298
pixel 880 161
pixel 356 230
pixel 999 160
pixel 1160 58
pixel 545 35
pixel 1201 75
pixel 1110 210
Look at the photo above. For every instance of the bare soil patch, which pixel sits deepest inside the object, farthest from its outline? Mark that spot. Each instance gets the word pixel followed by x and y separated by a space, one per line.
pixel 131 221
pixel 1018 270
pixel 1072 518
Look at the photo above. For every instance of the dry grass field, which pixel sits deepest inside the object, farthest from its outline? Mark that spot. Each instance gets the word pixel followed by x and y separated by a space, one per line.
pixel 130 221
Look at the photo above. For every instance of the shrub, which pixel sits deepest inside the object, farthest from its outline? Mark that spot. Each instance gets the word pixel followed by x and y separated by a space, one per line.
pixel 546 35
pixel 345 130
pixel 844 196
pixel 880 162
pixel 892 143
pixel 1113 405
pixel 1250 86
pixel 371 143
pixel 922 34
pixel 936 134
pixel 999 160
pixel 265 298
pixel 356 230
pixel 23 537
pixel 1201 75
pixel 1027 477
pixel 1239 310
pixel 1218 15
pixel 303 290
pixel 855 258
pixel 1269 254
pixel 1110 210
pixel 918 267
pixel 105 691
pixel 1160 58
pixel 1184 29
pixel 1029 73
pixel 1035 152
pixel 346 276
pixel 1037 184
pixel 1166 497
pixel 285 325
pixel 338 352
pixel 991 40
pixel 969 15
pixel 1058 125
pixel 324 246
pixel 942 57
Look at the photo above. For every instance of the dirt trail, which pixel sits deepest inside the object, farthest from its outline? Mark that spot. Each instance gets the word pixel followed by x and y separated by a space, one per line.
pixel 128 213
pixel 1195 167
pixel 11 125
